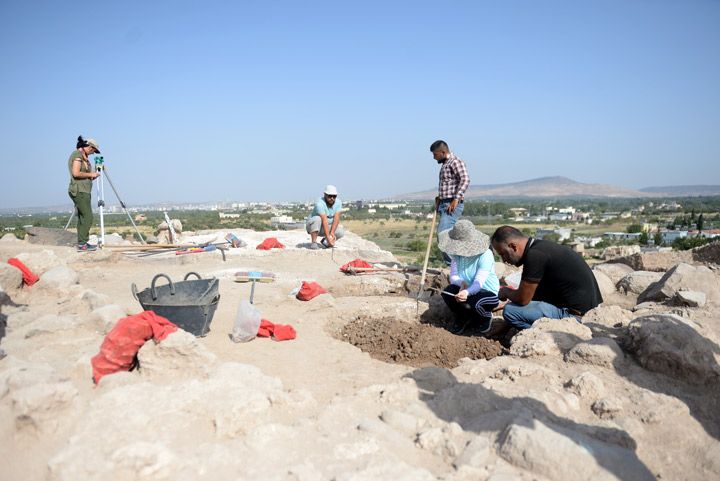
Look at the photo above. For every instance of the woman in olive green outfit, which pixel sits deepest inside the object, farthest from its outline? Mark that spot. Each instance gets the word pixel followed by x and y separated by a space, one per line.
pixel 81 177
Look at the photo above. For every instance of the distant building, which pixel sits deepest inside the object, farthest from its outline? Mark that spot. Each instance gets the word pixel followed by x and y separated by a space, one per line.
pixel 669 236
pixel 625 236
pixel 564 233
pixel 225 215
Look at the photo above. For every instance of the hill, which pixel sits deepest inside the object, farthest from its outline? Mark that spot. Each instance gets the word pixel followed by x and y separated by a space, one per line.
pixel 684 190
pixel 557 186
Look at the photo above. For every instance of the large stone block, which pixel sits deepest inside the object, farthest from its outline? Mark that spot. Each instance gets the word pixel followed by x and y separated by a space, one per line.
pixel 549 337
pixel 683 277
pixel 10 277
pixel 672 345
pixel 636 282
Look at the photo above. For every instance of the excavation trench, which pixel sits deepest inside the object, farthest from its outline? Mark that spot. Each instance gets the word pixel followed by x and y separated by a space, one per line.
pixel 415 344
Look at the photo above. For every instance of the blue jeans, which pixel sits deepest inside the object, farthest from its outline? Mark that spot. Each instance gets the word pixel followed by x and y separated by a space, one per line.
pixel 522 317
pixel 447 220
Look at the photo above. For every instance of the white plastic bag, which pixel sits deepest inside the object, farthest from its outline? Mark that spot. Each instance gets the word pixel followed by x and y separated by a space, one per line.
pixel 247 323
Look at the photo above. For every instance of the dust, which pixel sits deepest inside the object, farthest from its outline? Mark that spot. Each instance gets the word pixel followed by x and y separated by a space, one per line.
pixel 417 345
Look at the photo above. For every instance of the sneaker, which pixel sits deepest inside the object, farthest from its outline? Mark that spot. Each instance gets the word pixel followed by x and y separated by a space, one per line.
pixel 314 246
pixel 86 247
pixel 486 326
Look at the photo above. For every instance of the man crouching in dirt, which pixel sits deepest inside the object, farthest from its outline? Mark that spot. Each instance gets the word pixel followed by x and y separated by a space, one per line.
pixel 556 282
pixel 325 220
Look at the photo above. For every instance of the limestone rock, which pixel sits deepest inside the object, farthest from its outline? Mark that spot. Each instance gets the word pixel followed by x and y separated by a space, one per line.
pixel 607 317
pixel 600 351
pixel 50 324
pixel 709 253
pixel 586 385
pixel 475 454
pixel 104 318
pixel 178 354
pixel 39 406
pixel 115 239
pixel 655 261
pixel 636 282
pixel 9 238
pixel 94 299
pixel 40 262
pixel 690 298
pixel 10 277
pixel 683 277
pixel 672 345
pixel 606 408
pixel 615 271
pixel 549 337
pixel 557 453
pixel 60 278
pixel 606 285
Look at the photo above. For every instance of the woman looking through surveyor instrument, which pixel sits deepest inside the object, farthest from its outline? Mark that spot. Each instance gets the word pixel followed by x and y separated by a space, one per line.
pixel 81 177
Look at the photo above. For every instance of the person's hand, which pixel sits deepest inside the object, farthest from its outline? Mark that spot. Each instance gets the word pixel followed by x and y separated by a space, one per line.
pixel 462 296
pixel 502 293
pixel 95 175
pixel 331 240
pixel 453 205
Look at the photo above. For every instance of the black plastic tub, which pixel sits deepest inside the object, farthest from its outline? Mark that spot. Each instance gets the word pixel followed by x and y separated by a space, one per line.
pixel 189 304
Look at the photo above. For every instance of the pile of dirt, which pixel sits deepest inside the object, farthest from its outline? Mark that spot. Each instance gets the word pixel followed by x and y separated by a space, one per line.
pixel 417 345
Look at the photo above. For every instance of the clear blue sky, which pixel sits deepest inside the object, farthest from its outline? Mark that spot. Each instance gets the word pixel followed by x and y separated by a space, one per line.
pixel 251 100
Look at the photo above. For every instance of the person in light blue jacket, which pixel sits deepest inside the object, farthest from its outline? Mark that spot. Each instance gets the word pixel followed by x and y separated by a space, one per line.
pixel 473 291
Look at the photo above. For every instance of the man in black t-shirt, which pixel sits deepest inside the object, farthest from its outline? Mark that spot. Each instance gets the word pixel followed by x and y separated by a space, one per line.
pixel 556 282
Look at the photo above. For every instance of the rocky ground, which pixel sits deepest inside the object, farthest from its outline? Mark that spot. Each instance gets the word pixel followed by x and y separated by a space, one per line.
pixel 372 388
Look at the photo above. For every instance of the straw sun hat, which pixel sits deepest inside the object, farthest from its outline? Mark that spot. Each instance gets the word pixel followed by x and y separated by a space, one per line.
pixel 463 240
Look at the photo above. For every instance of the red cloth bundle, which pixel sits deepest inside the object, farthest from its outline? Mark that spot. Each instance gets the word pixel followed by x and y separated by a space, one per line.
pixel 120 346
pixel 29 277
pixel 279 332
pixel 309 290
pixel 270 243
pixel 356 263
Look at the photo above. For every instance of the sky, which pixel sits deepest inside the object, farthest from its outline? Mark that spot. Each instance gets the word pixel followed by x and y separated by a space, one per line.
pixel 272 100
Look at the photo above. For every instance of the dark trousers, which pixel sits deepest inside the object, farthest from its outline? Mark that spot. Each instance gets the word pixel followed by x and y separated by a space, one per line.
pixel 477 308
pixel 84 213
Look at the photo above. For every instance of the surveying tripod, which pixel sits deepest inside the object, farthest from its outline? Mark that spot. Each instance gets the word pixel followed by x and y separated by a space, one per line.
pixel 102 170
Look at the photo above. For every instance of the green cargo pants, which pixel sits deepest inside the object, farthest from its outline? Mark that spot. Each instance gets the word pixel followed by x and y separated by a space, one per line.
pixel 84 213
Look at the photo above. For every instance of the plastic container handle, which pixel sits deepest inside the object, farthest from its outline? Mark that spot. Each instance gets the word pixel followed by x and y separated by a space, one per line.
pixel 133 289
pixel 191 274
pixel 152 285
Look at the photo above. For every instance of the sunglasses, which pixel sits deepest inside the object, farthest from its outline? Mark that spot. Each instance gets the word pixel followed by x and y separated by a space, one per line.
pixel 331 196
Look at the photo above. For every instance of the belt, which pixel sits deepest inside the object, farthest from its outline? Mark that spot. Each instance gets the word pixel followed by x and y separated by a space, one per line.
pixel 450 199
pixel 575 312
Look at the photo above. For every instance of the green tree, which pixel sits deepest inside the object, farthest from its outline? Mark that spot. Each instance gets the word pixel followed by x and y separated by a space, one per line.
pixel 633 228
pixel 643 239
pixel 658 239
pixel 700 222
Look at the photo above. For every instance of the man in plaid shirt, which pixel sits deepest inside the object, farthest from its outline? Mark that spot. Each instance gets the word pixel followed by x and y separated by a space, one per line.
pixel 454 181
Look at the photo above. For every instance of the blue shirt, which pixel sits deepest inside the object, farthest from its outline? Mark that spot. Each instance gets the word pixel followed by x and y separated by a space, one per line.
pixel 471 270
pixel 322 208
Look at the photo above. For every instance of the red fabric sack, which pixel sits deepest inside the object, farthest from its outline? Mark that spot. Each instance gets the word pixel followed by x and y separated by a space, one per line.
pixel 309 290
pixel 29 277
pixel 120 346
pixel 279 332
pixel 270 243
pixel 355 263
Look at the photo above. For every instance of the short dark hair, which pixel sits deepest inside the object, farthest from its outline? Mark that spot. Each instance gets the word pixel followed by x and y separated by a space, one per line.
pixel 439 144
pixel 506 233
pixel 81 142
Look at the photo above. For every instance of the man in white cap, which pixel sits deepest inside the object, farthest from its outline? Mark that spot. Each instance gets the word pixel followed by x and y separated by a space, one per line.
pixel 325 219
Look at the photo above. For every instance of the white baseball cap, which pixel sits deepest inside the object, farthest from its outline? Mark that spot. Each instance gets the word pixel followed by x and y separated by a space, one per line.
pixel 330 190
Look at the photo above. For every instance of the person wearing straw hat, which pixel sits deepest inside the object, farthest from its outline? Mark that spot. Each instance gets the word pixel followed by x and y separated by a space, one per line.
pixel 325 220
pixel 80 188
pixel 473 289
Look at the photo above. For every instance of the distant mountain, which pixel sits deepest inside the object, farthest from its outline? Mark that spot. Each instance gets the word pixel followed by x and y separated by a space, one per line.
pixel 543 187
pixel 684 190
